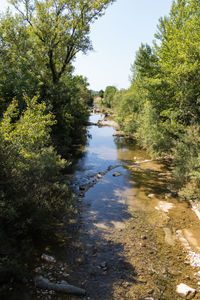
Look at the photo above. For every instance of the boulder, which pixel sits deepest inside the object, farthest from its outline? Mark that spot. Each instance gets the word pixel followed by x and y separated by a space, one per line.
pixel 185 291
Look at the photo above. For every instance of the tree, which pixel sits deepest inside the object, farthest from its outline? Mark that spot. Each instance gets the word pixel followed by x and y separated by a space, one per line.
pixel 38 46
pixel 101 94
pixel 59 29
pixel 109 95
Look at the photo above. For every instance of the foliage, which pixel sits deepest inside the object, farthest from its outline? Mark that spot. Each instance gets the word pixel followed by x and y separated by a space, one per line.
pixel 59 29
pixel 32 192
pixel 187 163
pixel 38 45
pixel 109 95
pixel 161 108
pixel 101 94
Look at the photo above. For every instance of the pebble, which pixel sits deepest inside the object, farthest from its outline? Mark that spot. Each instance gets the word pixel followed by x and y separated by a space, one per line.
pixel 151 195
pixel 38 269
pixel 82 188
pixel 168 195
pixel 103 264
pixel 197 274
pixel 151 291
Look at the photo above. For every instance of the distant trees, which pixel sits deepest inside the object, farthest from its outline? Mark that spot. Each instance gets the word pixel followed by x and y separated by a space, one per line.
pixel 109 95
pixel 101 94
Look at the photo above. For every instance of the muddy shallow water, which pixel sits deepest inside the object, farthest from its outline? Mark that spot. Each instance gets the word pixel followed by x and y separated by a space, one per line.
pixel 134 234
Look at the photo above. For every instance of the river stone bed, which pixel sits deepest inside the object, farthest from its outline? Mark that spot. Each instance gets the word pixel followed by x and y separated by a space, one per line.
pixel 144 268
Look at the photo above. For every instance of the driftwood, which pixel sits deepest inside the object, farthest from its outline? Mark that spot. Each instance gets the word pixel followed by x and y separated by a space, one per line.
pixel 62 287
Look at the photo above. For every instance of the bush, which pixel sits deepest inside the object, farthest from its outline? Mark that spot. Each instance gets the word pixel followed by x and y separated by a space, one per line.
pixel 31 189
pixel 187 163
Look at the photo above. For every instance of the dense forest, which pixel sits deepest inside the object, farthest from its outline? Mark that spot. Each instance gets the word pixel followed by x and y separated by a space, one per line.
pixel 43 111
pixel 161 109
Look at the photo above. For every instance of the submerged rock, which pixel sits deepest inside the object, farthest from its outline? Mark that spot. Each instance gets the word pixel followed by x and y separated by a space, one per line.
pixel 185 291
pixel 116 174
pixel 103 264
pixel 107 123
pixel 119 133
pixel 48 258
pixel 82 188
pixel 62 287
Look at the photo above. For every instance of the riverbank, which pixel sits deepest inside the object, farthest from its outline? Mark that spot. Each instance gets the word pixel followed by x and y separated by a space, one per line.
pixel 126 242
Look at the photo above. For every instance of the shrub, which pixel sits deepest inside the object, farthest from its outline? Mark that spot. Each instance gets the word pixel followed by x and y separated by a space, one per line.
pixel 187 163
pixel 32 191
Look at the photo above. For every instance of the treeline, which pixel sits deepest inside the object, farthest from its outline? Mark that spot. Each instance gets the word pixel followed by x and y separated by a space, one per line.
pixel 43 110
pixel 161 109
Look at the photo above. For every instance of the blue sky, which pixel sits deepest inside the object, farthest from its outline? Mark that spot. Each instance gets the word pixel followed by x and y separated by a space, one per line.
pixel 116 37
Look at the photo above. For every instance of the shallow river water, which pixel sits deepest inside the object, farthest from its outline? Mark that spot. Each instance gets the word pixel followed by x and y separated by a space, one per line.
pixel 135 238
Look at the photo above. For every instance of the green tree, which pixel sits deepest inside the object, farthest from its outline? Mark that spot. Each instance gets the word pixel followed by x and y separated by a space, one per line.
pixel 32 192
pixel 109 95
pixel 58 30
pixel 38 46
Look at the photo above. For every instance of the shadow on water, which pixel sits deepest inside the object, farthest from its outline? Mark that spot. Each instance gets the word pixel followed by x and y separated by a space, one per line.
pixel 95 257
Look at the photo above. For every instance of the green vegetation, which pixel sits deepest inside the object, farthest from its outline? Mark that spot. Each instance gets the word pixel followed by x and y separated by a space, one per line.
pixel 32 191
pixel 161 108
pixel 43 110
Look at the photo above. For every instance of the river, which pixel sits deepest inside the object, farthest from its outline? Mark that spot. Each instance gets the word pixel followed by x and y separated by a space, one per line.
pixel 134 238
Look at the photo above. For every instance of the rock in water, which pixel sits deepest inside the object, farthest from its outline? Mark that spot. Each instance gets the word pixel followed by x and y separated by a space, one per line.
pixel 62 287
pixel 185 291
pixel 48 258
pixel 119 133
pixel 116 174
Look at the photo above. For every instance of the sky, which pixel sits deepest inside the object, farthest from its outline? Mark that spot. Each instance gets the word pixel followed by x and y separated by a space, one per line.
pixel 116 37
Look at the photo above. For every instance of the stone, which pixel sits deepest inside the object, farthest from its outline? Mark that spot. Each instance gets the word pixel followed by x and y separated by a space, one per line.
pixel 168 195
pixel 38 269
pixel 103 264
pixel 151 195
pixel 119 133
pixel 65 274
pixel 143 244
pixel 62 287
pixel 197 274
pixel 151 291
pixel 107 123
pixel 99 176
pixel 185 291
pixel 174 272
pixel 48 258
pixel 116 174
